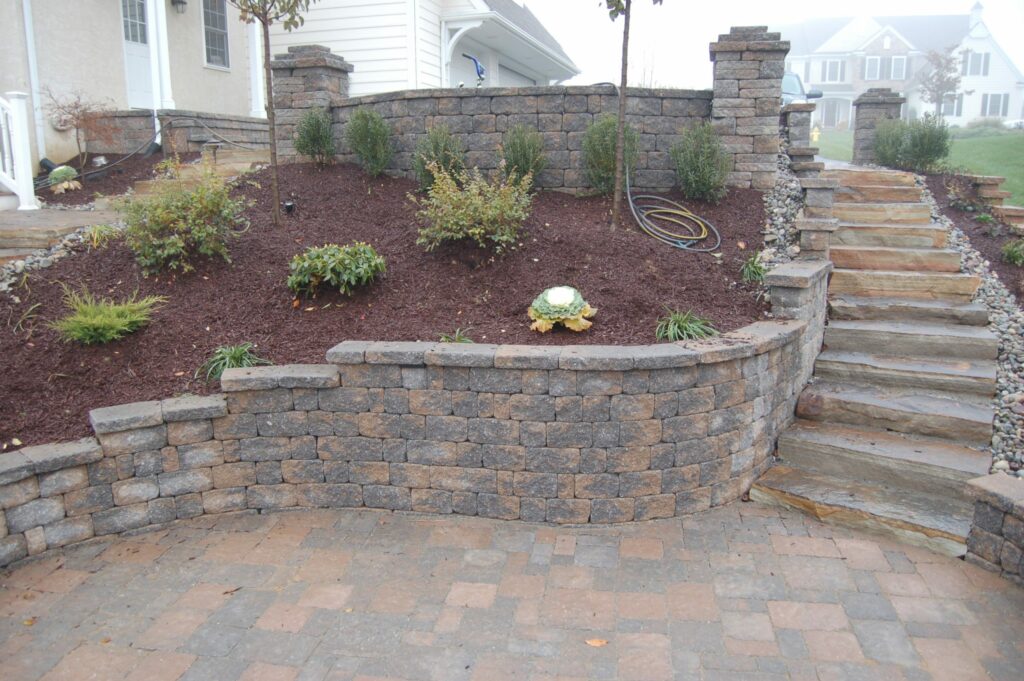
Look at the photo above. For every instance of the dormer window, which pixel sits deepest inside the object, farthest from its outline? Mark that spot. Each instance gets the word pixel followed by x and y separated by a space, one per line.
pixel 887 42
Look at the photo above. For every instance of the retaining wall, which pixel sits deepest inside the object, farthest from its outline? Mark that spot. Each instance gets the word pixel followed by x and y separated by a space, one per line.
pixel 578 434
pixel 996 540
pixel 126 131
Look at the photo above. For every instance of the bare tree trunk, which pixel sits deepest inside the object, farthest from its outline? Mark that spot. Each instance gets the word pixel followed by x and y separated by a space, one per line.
pixel 620 131
pixel 268 78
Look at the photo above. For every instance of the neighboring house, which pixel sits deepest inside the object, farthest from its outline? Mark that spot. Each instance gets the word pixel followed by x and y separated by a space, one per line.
pixel 182 55
pixel 845 57
pixel 410 44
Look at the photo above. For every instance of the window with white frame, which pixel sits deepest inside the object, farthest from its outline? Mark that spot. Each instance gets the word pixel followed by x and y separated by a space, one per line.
pixel 996 105
pixel 899 68
pixel 953 105
pixel 974 63
pixel 872 68
pixel 133 15
pixel 833 71
pixel 215 32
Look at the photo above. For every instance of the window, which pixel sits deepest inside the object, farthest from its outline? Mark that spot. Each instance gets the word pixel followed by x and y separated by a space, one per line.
pixel 872 65
pixel 974 63
pixel 833 71
pixel 899 68
pixel 995 105
pixel 133 14
pixel 953 105
pixel 215 31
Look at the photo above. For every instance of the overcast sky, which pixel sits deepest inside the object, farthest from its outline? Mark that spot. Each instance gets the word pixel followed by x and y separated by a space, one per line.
pixel 669 42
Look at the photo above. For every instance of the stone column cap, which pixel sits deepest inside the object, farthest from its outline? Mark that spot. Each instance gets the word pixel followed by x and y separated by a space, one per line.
pixel 309 56
pixel 1005 492
pixel 797 107
pixel 879 95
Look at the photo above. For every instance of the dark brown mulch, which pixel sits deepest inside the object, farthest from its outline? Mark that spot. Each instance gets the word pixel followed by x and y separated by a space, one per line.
pixel 49 386
pixel 116 180
pixel 981 236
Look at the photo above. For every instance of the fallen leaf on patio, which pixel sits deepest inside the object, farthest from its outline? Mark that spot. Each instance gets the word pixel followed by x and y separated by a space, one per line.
pixel 29 622
pixel 105 640
pixel 596 642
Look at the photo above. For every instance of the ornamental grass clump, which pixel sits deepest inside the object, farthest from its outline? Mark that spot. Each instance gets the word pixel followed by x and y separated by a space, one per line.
pixel 440 149
pixel 1013 252
pixel 314 136
pixel 753 270
pixel 345 268
pixel 468 207
pixel 678 326
pixel 560 305
pixel 230 357
pixel 702 163
pixel 599 153
pixel 94 321
pixel 369 137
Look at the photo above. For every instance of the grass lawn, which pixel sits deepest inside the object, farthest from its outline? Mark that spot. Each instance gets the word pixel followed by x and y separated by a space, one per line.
pixel 835 145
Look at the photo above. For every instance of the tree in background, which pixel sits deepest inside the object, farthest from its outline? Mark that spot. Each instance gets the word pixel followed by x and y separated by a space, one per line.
pixel 615 9
pixel 941 79
pixel 289 14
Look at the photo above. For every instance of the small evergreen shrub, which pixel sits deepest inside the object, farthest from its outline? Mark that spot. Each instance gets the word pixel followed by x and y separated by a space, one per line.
pixel 752 271
pixel 229 357
pixel 599 153
pixel 94 321
pixel 169 229
pixel 314 136
pixel 369 137
pixel 522 152
pixel 677 326
pixel 889 143
pixel 439 148
pixel 469 207
pixel 1013 252
pixel 702 163
pixel 920 146
pixel 342 267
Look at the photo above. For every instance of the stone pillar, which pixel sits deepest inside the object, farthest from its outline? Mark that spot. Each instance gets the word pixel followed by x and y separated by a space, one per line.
pixel 749 63
pixel 796 119
pixel 307 76
pixel 877 104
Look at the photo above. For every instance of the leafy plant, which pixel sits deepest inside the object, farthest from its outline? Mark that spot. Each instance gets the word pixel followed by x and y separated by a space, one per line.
pixel 752 270
pixel 230 357
pixel 599 153
pixel 677 326
pixel 370 139
pixel 920 145
pixel 439 148
pixel 98 236
pixel 488 213
pixel 702 163
pixel 62 179
pixel 342 267
pixel 1013 252
pixel 522 152
pixel 560 305
pixel 100 320
pixel 457 336
pixel 167 230
pixel 314 136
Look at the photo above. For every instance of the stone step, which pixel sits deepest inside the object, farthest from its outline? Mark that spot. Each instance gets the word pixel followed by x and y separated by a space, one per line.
pixel 960 419
pixel 1013 215
pixel 936 522
pixel 231 155
pixel 850 177
pixel 806 166
pixel 918 464
pixel 992 193
pixel 31 237
pixel 976 377
pixel 878 194
pixel 912 339
pixel 895 259
pixel 986 180
pixel 948 286
pixel 885 213
pixel 893 236
pixel 941 312
pixel 11 254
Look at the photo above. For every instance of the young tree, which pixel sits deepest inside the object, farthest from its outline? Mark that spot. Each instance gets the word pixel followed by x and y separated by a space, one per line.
pixel 941 79
pixel 85 116
pixel 615 9
pixel 267 12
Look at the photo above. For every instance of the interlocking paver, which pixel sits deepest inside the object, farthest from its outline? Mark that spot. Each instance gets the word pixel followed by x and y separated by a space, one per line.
pixel 742 592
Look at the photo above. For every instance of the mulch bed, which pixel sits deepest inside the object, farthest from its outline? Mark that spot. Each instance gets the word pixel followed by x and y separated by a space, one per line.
pixel 117 180
pixel 980 235
pixel 49 386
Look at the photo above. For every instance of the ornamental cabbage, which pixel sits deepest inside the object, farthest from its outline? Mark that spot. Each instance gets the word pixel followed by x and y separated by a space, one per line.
pixel 560 305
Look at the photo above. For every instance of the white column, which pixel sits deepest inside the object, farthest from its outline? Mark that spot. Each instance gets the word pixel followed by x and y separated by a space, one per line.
pixel 163 49
pixel 21 151
pixel 152 41
pixel 257 96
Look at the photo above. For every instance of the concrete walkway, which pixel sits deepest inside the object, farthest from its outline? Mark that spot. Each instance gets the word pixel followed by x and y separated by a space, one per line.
pixel 742 592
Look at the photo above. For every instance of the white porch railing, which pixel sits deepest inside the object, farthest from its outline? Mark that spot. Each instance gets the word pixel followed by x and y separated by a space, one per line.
pixel 15 157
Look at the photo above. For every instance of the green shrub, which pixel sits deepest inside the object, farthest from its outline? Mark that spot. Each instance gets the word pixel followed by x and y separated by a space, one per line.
pixel 1013 252
pixel 702 163
pixel 439 148
pixel 488 213
pixel 314 136
pixel 889 143
pixel 168 229
pixel 342 267
pixel 753 271
pixel 599 153
pixel 919 146
pixel 100 320
pixel 677 326
pixel 230 357
pixel 522 152
pixel 370 139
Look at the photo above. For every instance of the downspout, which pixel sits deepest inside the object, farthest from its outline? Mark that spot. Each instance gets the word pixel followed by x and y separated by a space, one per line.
pixel 153 42
pixel 33 78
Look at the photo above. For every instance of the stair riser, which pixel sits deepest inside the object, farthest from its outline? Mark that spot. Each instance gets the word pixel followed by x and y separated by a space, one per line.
pixel 892 213
pixel 887 312
pixel 871 178
pixel 818 407
pixel 922 286
pixel 847 372
pixel 869 194
pixel 27 242
pixel 906 237
pixel 896 260
pixel 910 344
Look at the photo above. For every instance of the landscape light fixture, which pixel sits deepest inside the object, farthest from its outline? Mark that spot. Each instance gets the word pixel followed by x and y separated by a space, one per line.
pixel 179 5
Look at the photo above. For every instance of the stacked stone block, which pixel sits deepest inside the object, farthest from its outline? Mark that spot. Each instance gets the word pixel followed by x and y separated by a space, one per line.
pixel 996 539
pixel 186 131
pixel 749 63
pixel 872 107
pixel 795 120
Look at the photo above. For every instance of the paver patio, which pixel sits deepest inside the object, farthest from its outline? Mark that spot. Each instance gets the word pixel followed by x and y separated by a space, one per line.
pixel 741 592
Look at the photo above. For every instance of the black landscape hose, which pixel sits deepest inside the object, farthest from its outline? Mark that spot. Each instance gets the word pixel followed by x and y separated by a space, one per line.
pixel 672 223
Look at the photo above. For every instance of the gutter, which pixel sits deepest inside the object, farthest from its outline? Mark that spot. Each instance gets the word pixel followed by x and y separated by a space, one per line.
pixel 519 33
pixel 33 78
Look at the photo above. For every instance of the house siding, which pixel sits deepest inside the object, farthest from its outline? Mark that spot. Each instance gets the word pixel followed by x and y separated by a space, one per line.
pixel 428 43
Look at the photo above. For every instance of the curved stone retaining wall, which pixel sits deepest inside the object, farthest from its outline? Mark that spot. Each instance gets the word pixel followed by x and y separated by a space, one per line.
pixel 576 434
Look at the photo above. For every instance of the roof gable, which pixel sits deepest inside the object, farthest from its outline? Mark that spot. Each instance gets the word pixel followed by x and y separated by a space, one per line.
pixel 924 33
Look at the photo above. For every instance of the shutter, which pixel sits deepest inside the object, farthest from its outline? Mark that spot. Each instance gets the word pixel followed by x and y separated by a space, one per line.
pixel 984 64
pixel 960 105
pixel 984 105
pixel 964 62
pixel 842 71
pixel 1006 105
pixel 824 71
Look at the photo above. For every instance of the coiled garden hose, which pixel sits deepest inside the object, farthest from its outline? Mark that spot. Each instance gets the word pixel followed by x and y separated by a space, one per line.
pixel 672 223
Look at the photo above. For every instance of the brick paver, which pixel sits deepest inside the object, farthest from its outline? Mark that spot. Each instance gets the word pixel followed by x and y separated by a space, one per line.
pixel 737 593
